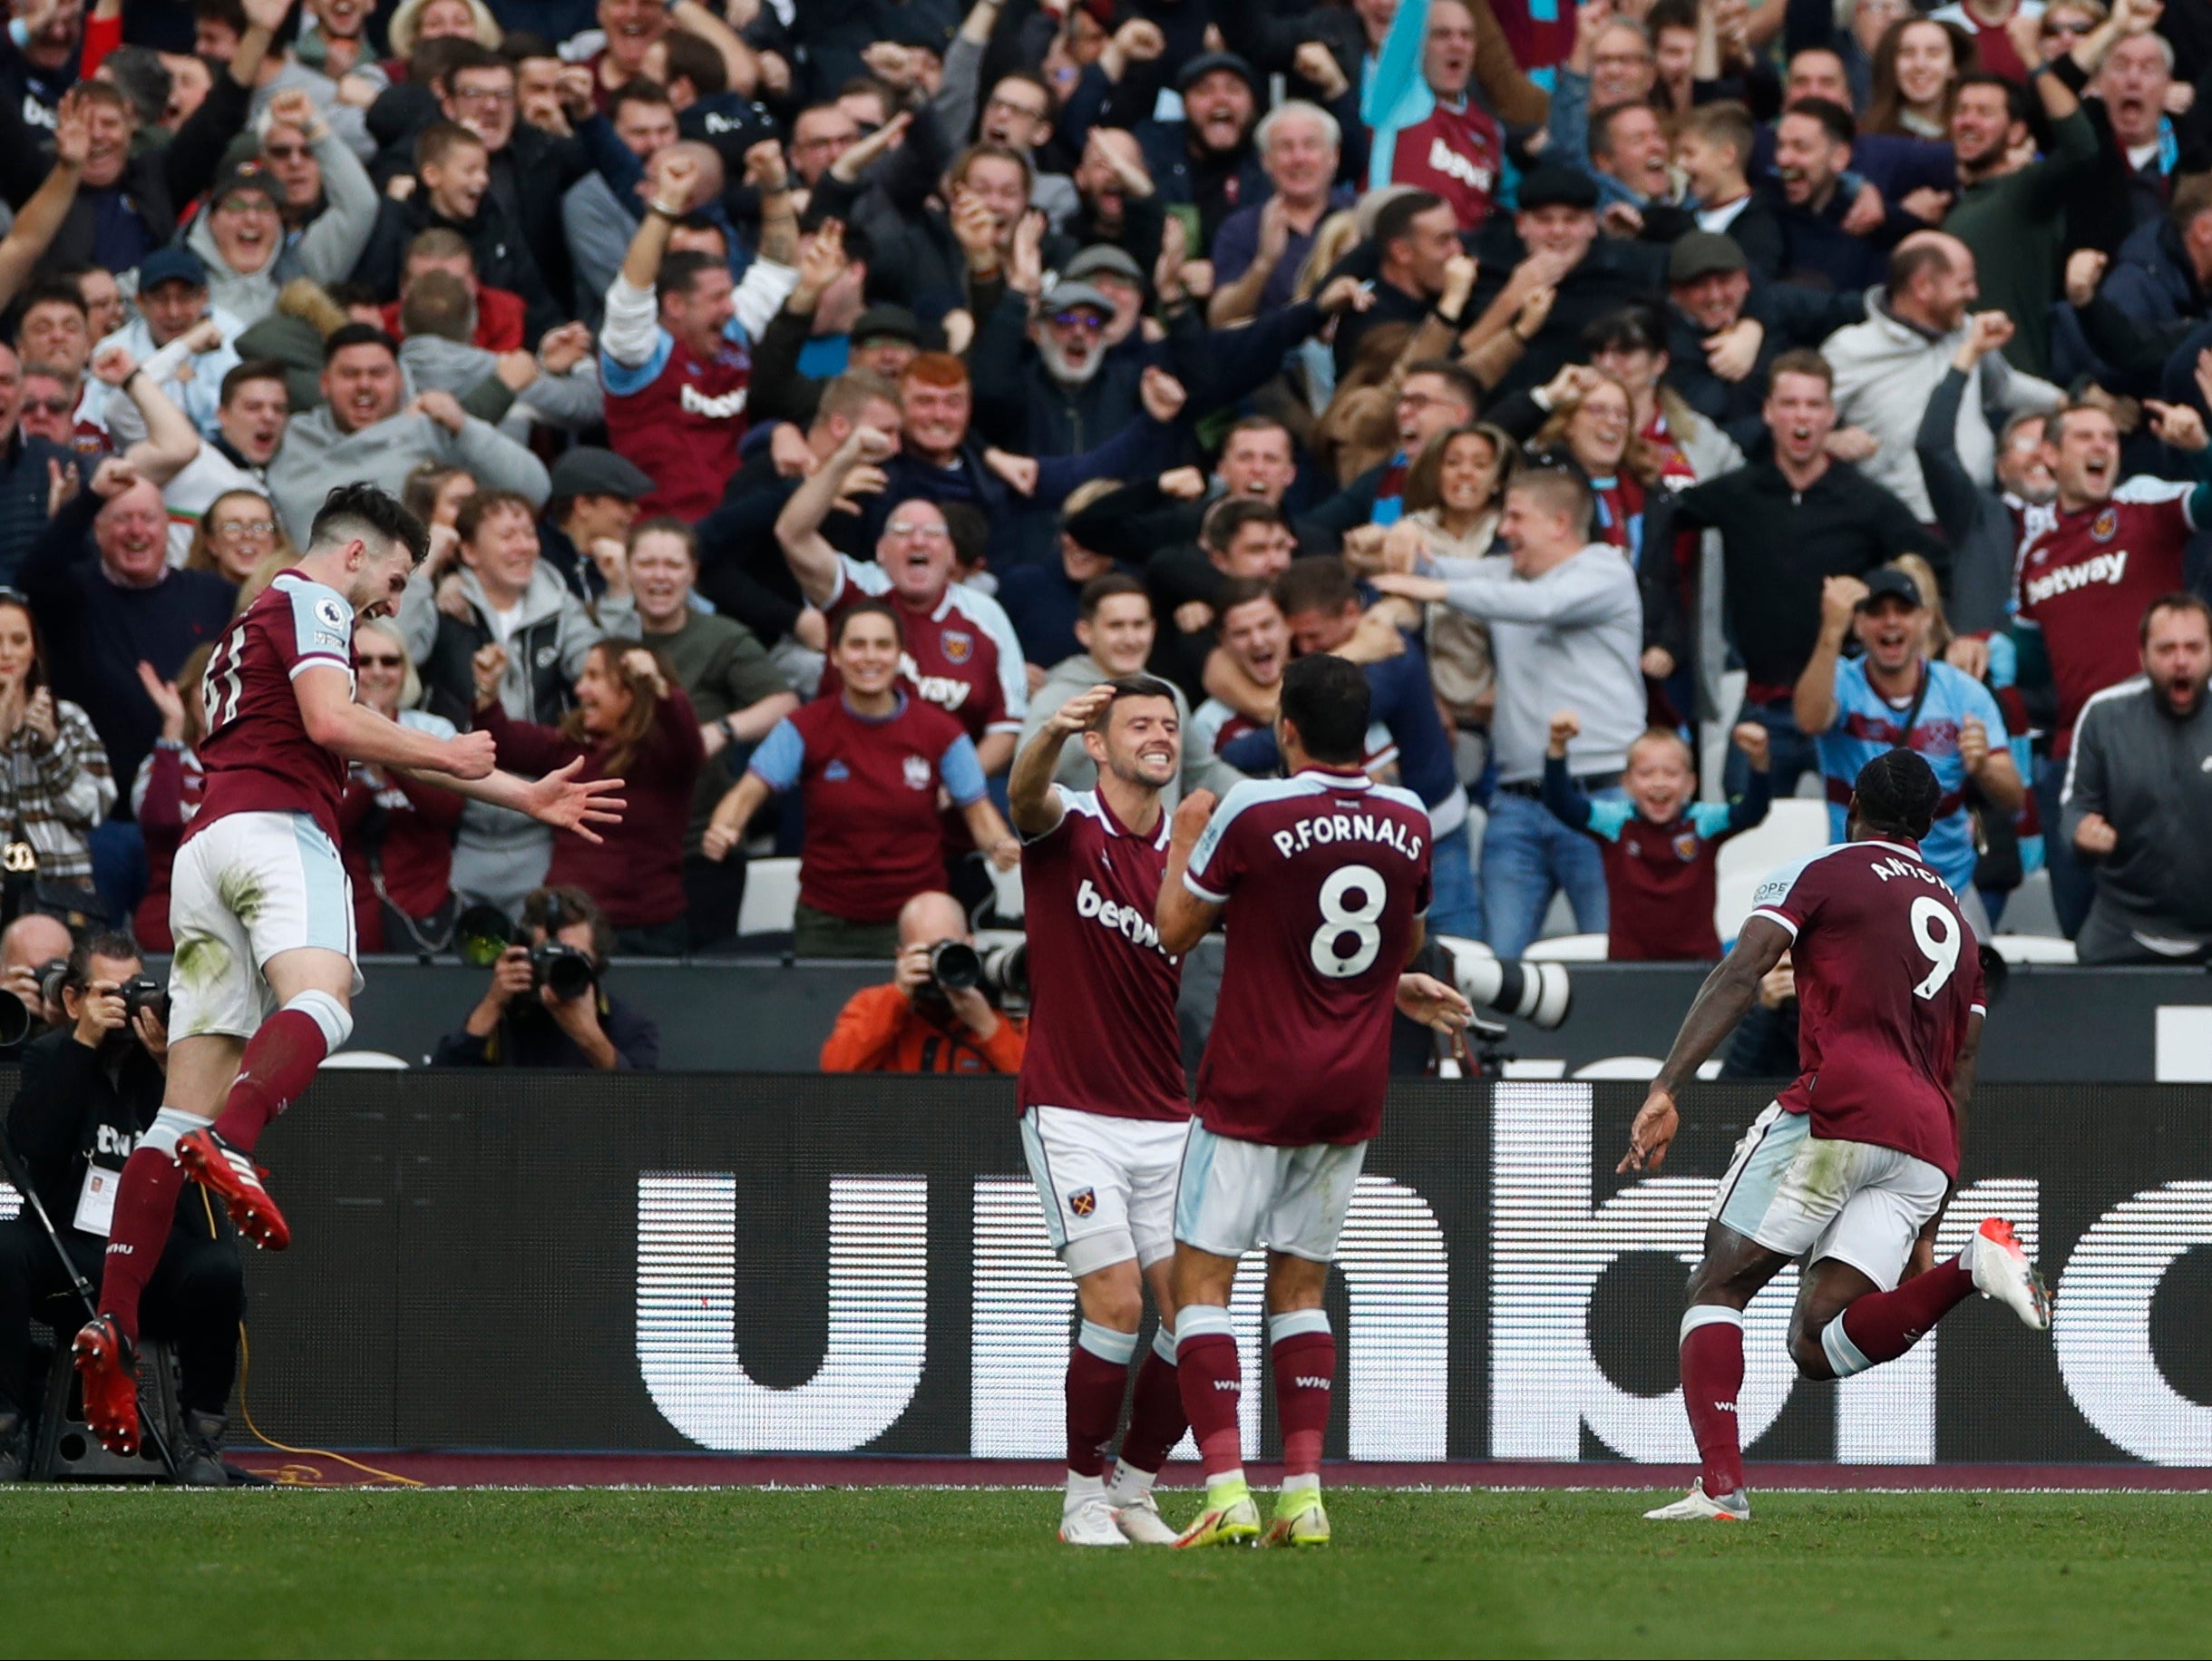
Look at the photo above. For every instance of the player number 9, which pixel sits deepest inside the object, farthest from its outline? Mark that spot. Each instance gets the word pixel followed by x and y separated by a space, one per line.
pixel 1937 930
pixel 1337 922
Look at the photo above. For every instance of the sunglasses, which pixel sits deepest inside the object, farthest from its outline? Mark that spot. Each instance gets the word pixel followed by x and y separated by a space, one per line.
pixel 285 152
pixel 1090 322
pixel 381 660
pixel 52 406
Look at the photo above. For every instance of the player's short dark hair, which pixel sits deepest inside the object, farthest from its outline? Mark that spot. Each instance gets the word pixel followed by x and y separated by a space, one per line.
pixel 108 944
pixel 1896 792
pixel 254 369
pixel 1317 582
pixel 363 510
pixel 1841 126
pixel 1099 590
pixel 1230 514
pixel 1801 360
pixel 1242 591
pixel 2181 600
pixel 357 334
pixel 555 909
pixel 866 608
pixel 679 271
pixel 1397 215
pixel 1131 686
pixel 1456 375
pixel 1326 697
pixel 691 59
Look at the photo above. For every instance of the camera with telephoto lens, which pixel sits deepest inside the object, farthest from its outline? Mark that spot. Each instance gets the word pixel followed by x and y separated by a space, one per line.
pixel 1538 993
pixel 1001 968
pixel 567 973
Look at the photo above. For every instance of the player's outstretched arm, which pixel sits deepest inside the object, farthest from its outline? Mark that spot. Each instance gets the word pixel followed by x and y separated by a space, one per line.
pixel 1721 1002
pixel 361 735
pixel 1183 918
pixel 798 528
pixel 1031 799
pixel 560 800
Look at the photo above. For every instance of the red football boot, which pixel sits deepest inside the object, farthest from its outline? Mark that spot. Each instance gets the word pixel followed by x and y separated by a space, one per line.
pixel 107 1364
pixel 232 1177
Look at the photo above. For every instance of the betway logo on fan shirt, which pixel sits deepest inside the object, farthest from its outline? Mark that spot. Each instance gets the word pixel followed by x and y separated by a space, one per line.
pixel 2099 567
pixel 947 693
pixel 1126 921
pixel 727 407
pixel 1444 159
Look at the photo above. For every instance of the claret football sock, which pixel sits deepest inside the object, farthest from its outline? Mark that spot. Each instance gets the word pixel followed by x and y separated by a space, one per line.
pixel 145 1208
pixel 1157 1419
pixel 1882 1326
pixel 1212 1388
pixel 1305 1364
pixel 1097 1375
pixel 280 1063
pixel 1712 1378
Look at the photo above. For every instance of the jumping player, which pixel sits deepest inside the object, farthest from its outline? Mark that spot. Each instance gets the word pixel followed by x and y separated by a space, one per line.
pixel 260 906
pixel 1103 1102
pixel 1324 879
pixel 1850 1171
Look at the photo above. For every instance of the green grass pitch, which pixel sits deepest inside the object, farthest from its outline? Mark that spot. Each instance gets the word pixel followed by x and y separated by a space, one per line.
pixel 893 1571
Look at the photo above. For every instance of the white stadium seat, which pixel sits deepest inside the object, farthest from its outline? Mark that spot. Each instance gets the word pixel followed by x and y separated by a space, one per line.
pixel 770 896
pixel 1568 949
pixel 1793 829
pixel 2034 948
pixel 362 1061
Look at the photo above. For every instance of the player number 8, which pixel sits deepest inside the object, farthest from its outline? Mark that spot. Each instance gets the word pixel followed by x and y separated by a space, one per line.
pixel 1361 923
pixel 1937 930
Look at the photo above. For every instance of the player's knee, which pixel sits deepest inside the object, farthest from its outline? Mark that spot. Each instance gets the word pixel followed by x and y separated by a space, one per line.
pixel 1111 1300
pixel 1806 1351
pixel 330 1016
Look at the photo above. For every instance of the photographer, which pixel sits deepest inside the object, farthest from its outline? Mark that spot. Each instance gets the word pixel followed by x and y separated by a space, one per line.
pixel 545 1006
pixel 29 948
pixel 89 1090
pixel 925 1020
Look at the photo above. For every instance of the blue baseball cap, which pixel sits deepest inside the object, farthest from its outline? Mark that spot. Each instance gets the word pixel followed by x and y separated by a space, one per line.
pixel 171 265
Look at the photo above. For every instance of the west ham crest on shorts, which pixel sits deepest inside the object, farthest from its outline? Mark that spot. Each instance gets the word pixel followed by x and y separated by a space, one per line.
pixel 1082 1201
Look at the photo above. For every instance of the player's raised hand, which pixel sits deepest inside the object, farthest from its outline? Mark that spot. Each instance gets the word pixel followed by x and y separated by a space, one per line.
pixel 566 802
pixel 471 755
pixel 1426 999
pixel 1565 725
pixel 1653 1133
pixel 1192 813
pixel 1079 712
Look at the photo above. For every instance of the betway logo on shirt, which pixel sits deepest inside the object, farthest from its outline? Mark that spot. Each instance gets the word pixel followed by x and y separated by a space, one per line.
pixel 942 691
pixel 1126 921
pixel 2099 567
pixel 727 407
pixel 1443 159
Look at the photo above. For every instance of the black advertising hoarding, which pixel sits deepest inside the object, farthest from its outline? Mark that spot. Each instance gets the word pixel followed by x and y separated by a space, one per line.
pixel 801 1264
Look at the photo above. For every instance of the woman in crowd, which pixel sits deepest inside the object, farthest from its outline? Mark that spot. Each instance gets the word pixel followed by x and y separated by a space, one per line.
pixel 869 764
pixel 628 723
pixel 166 793
pixel 1916 71
pixel 1593 422
pixel 398 834
pixel 54 784
pixel 238 539
pixel 1454 490
pixel 433 493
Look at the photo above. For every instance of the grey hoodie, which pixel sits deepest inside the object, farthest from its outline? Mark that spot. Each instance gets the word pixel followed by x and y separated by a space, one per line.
pixel 571 402
pixel 326 251
pixel 1202 769
pixel 316 457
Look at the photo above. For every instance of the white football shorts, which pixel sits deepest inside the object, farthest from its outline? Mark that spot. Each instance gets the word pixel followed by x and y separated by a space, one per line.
pixel 1233 1195
pixel 1108 1184
pixel 249 886
pixel 1811 1197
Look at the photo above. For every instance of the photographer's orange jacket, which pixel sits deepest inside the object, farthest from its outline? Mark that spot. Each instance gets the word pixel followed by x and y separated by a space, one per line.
pixel 879 1031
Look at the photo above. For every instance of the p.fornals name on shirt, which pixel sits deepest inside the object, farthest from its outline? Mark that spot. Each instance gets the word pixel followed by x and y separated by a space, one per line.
pixel 1347 827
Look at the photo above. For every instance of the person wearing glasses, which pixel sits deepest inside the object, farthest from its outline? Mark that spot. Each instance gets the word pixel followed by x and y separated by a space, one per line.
pixel 240 235
pixel 240 540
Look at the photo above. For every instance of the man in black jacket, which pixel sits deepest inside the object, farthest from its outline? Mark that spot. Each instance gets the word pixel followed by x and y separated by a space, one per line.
pixel 530 1014
pixel 89 1090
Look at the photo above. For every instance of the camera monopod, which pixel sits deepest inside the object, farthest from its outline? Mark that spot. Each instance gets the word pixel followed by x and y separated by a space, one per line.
pixel 20 1179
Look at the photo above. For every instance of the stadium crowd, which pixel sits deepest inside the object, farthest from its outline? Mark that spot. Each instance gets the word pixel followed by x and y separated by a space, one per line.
pixel 809 398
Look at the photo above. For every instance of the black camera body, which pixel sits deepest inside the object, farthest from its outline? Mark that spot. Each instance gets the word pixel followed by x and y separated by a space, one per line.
pixel 567 973
pixel 143 994
pixel 1000 970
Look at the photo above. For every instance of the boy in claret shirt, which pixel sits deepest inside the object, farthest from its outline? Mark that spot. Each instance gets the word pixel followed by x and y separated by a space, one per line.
pixel 1661 847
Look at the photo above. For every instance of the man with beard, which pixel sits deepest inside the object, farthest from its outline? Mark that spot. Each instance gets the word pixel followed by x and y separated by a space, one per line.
pixel 1893 696
pixel 1428 132
pixel 1813 148
pixel 1887 367
pixel 1058 391
pixel 2107 549
pixel 2137 792
pixel 1207 159
pixel 2011 211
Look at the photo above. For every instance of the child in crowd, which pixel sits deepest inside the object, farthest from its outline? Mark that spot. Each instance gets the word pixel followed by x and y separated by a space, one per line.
pixel 1661 847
